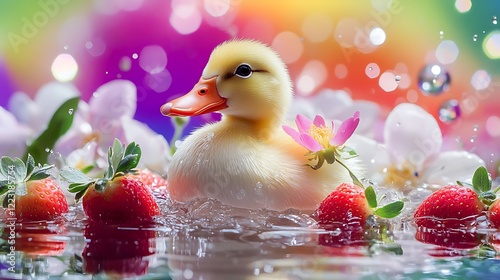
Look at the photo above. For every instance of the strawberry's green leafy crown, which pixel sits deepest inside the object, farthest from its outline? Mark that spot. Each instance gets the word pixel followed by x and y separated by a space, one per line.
pixel 481 184
pixel 121 161
pixel 388 211
pixel 14 173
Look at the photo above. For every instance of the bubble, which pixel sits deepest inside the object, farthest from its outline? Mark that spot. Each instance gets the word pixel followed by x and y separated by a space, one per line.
pixel 447 52
pixel 480 80
pixel 433 80
pixel 64 68
pixel 125 63
pixel 474 38
pixel 372 70
pixel 494 20
pixel 377 36
pixel 397 78
pixel 449 111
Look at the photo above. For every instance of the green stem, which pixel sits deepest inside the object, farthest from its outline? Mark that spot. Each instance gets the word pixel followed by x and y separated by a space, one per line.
pixel 179 125
pixel 355 179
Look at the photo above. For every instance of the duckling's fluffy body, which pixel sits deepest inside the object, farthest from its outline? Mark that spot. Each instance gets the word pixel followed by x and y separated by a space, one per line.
pixel 246 159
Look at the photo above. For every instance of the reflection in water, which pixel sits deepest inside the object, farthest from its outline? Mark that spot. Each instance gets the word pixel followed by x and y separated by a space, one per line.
pixel 204 239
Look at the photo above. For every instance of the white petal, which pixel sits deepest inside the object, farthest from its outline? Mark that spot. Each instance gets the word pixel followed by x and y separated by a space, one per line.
pixel 301 106
pixel 13 141
pixel 50 97
pixel 112 101
pixel 25 110
pixel 7 119
pixel 332 103
pixel 372 155
pixel 412 135
pixel 449 167
pixel 155 150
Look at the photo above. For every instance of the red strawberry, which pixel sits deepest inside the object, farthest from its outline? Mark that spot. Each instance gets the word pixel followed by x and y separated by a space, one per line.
pixel 346 205
pixel 117 251
pixel 344 212
pixel 456 206
pixel 116 198
pixel 123 200
pixel 449 238
pixel 494 214
pixel 154 182
pixel 452 206
pixel 30 193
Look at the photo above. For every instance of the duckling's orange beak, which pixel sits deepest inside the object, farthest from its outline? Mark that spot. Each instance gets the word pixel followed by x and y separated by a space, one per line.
pixel 203 98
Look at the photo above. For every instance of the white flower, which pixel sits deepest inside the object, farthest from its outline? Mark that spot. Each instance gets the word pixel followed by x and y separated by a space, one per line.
pixel 109 115
pixel 337 105
pixel 411 154
pixel 13 135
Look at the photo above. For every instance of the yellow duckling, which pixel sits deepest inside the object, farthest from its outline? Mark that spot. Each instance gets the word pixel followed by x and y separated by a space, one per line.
pixel 246 159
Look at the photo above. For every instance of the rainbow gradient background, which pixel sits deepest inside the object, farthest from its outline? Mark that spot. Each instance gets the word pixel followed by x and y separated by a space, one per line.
pixel 326 44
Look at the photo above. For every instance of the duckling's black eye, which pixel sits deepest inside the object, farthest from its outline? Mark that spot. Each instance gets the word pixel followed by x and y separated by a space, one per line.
pixel 243 71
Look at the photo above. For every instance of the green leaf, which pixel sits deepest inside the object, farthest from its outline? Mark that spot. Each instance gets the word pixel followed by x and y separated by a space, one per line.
pixel 127 163
pixel 371 197
pixel 73 175
pixel 30 165
pixel 58 125
pixel 21 189
pixel 77 187
pixel 390 210
pixel 40 173
pixel 133 149
pixel 116 152
pixel 14 169
pixel 80 194
pixel 481 180
pixel 4 187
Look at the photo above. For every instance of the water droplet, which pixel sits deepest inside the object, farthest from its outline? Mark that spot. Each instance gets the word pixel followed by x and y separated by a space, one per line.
pixel 473 139
pixel 398 124
pixel 66 47
pixel 47 150
pixel 370 68
pixel 397 78
pixel 494 20
pixel 474 38
pixel 476 127
pixel 433 79
pixel 449 111
pixel 70 111
pixel 135 56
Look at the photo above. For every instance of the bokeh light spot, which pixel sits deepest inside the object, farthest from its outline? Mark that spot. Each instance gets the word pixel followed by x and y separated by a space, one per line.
pixel 381 5
pixel 377 36
pixel 64 68
pixel 372 70
pixel 341 71
pixel 185 17
pixel 449 111
pixel 491 45
pixel 480 80
pixel 387 81
pixel 493 126
pixel 153 59
pixel 125 63
pixel 288 45
pixel 159 82
pixel 317 28
pixel 447 52
pixel 217 8
pixel 305 84
pixel 412 96
pixel 463 6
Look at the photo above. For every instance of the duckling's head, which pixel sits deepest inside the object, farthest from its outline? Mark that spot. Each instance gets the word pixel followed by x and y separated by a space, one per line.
pixel 244 79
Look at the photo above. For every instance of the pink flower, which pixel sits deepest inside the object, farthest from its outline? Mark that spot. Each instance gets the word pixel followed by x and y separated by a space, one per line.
pixel 316 136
